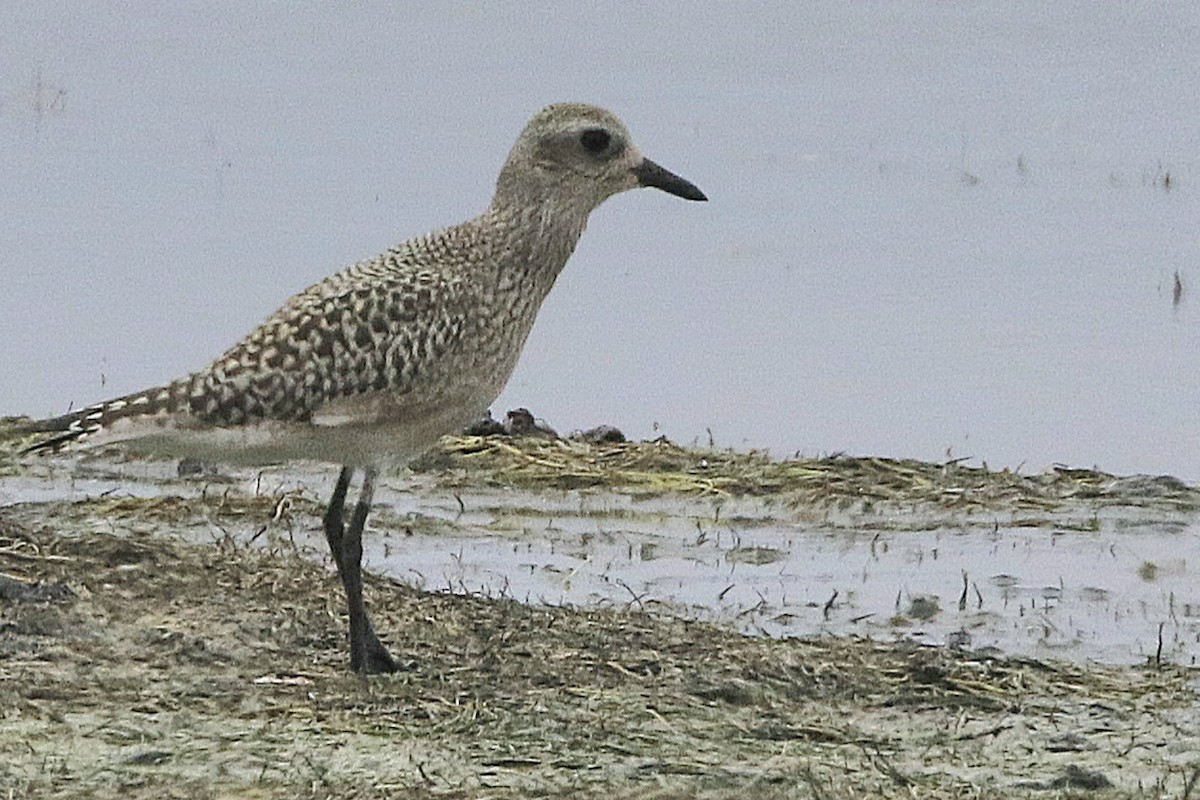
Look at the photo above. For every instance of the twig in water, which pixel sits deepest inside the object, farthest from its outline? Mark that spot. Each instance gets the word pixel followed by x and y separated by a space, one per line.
pixel 637 598
pixel 829 605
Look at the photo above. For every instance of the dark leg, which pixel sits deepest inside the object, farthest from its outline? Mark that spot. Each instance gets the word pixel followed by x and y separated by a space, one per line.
pixel 367 653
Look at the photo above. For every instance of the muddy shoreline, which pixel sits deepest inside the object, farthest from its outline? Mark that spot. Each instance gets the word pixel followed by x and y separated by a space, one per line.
pixel 137 664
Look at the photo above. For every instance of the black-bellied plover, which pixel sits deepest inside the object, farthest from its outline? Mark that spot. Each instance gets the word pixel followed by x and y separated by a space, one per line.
pixel 369 367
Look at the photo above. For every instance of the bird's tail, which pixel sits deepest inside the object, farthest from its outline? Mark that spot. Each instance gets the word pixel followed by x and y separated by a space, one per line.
pixel 77 426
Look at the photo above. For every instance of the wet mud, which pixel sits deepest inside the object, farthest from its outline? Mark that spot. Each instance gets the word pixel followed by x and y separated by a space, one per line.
pixel 185 638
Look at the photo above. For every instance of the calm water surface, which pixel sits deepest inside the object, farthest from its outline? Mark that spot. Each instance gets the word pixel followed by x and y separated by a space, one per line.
pixel 935 230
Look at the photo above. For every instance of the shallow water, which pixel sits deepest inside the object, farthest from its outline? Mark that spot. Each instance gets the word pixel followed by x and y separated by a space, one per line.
pixel 1096 591
pixel 1097 595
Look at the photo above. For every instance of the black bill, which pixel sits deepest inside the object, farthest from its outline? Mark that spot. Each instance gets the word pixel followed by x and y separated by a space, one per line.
pixel 650 174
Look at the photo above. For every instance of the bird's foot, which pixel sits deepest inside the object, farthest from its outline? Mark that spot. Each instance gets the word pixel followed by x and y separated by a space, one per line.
pixel 375 659
pixel 379 660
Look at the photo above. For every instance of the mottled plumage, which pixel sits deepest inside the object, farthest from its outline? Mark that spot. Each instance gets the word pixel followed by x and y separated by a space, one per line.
pixel 374 363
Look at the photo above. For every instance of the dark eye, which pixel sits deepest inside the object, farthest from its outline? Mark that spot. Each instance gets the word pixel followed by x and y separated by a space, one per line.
pixel 595 140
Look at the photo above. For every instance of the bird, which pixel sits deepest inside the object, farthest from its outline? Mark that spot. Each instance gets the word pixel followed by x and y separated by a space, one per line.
pixel 369 367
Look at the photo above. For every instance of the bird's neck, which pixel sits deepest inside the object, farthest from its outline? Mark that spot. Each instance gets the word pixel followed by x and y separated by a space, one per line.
pixel 532 242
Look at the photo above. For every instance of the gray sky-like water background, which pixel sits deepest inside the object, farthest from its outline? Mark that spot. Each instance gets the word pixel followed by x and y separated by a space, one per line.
pixel 935 229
